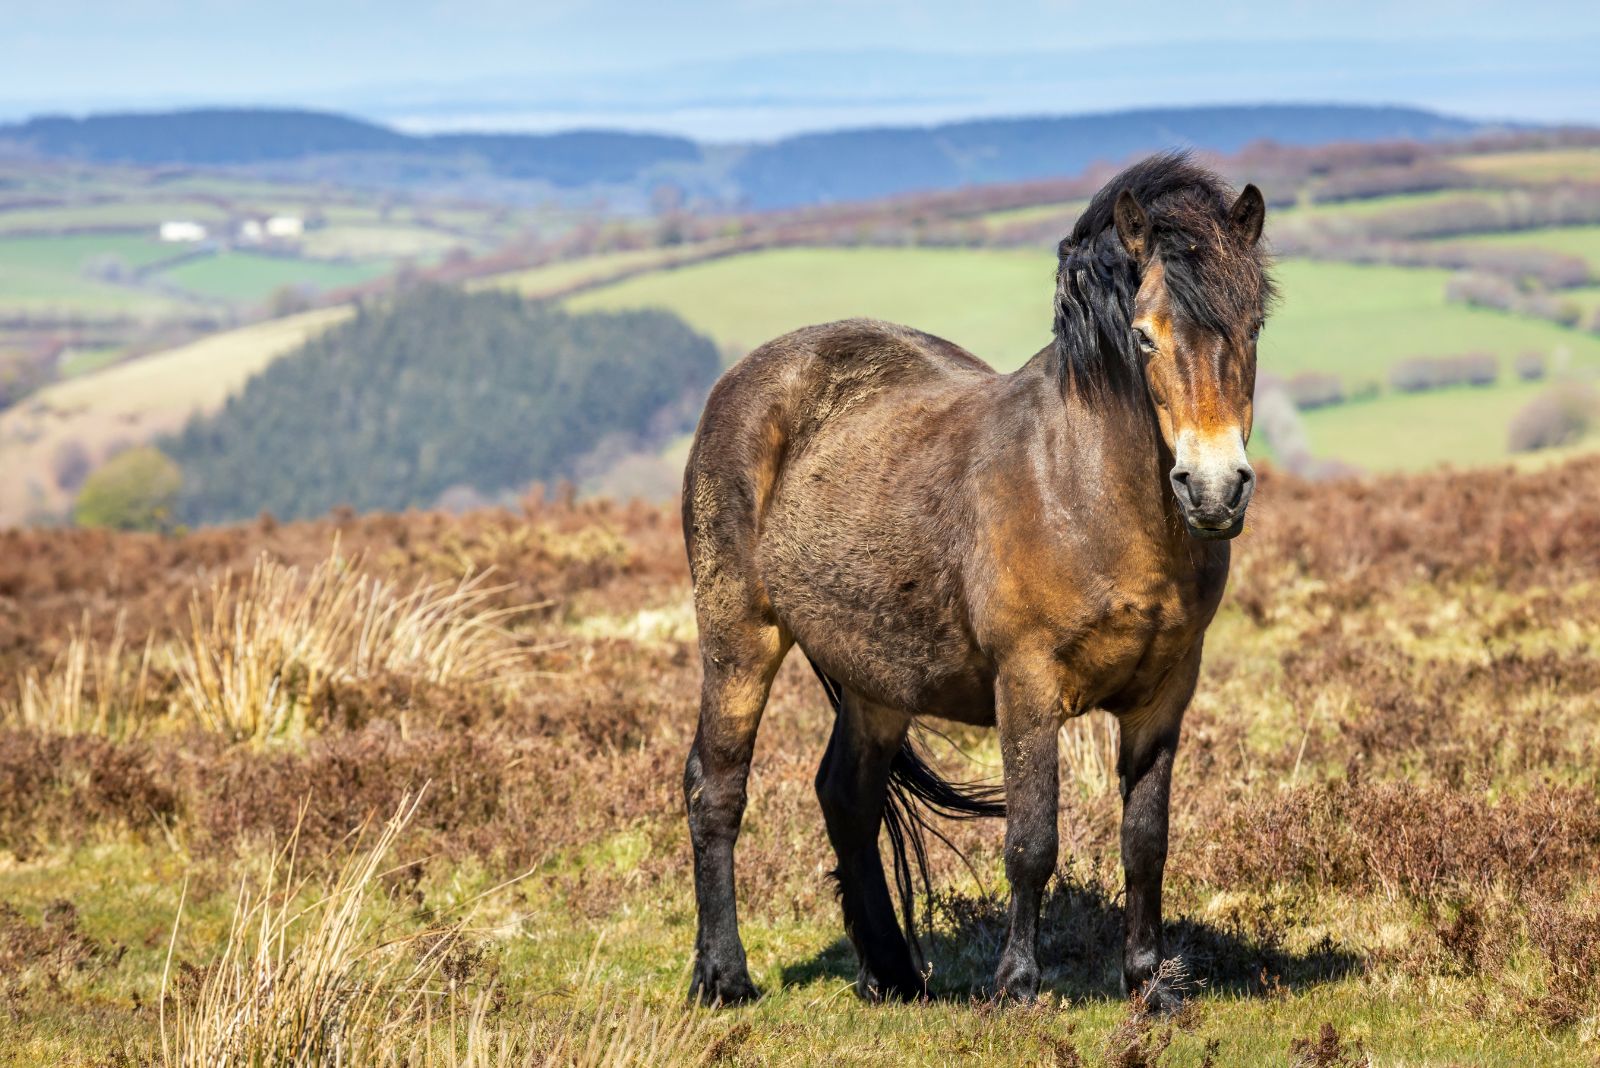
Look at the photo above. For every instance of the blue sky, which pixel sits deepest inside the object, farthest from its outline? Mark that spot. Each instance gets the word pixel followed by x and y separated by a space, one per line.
pixel 699 65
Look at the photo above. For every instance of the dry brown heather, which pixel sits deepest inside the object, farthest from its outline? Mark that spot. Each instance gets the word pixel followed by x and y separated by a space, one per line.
pixel 1385 835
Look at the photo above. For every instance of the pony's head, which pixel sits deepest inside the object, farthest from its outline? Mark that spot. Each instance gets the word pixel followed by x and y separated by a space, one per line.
pixel 1161 294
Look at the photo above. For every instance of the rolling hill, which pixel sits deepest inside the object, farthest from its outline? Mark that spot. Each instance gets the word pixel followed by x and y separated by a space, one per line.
pixel 806 169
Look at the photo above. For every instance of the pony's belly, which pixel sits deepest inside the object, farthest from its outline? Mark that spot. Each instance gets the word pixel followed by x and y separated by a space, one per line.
pixel 884 642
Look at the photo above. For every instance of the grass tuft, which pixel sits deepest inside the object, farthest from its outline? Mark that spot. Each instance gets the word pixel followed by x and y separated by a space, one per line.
pixel 90 689
pixel 258 652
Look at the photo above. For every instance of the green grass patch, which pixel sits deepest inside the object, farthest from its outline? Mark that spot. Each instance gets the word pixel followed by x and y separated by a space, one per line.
pixel 82 361
pixel 1354 320
pixel 377 243
pixel 1537 165
pixel 51 274
pixel 1357 321
pixel 1066 210
pixel 996 303
pixel 251 277
pixel 70 253
pixel 1580 241
pixel 1369 206
pixel 563 274
pixel 1464 426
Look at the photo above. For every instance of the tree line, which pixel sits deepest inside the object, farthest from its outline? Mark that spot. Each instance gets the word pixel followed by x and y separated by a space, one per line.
pixel 436 390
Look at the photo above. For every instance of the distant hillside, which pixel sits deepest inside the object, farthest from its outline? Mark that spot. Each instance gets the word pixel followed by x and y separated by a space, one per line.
pixel 859 164
pixel 440 390
pixel 211 136
pixel 808 169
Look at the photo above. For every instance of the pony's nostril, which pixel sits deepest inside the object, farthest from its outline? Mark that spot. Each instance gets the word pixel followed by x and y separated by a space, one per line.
pixel 1182 486
pixel 1246 476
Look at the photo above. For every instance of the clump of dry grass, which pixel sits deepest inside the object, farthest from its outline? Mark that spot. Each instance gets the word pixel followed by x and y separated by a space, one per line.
pixel 310 976
pixel 90 689
pixel 1089 753
pixel 258 651
pixel 300 984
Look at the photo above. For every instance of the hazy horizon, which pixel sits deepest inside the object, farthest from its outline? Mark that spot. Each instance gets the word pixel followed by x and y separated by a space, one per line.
pixel 755 69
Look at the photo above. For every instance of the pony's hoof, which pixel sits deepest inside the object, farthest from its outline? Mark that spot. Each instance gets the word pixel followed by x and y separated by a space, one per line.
pixel 712 987
pixel 1017 980
pixel 871 990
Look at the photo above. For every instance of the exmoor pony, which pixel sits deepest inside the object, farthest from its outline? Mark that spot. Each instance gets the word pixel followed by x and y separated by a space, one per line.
pixel 1010 550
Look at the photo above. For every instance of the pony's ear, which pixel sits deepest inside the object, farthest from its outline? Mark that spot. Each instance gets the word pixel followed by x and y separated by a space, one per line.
pixel 1133 225
pixel 1248 215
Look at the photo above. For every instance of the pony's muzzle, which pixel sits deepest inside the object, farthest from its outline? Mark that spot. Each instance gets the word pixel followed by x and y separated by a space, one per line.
pixel 1213 483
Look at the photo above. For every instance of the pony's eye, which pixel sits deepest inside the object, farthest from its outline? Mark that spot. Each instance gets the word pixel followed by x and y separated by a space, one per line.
pixel 1142 339
pixel 1255 331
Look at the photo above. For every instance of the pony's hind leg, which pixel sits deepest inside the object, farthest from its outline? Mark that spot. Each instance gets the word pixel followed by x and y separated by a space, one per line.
pixel 853 786
pixel 741 655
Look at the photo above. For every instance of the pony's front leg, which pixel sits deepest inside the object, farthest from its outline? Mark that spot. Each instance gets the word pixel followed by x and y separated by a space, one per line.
pixel 1149 742
pixel 1028 717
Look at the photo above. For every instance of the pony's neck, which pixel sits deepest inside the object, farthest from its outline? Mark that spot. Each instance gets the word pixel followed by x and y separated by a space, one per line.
pixel 1118 431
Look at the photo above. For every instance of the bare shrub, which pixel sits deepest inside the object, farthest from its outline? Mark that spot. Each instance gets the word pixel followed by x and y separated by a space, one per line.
pixel 1327 1050
pixel 1559 416
pixel 1278 421
pixel 1316 389
pixel 1506 294
pixel 1567 937
pixel 1420 373
pixel 1136 1041
pixel 1532 365
pixel 53 949
pixel 70 465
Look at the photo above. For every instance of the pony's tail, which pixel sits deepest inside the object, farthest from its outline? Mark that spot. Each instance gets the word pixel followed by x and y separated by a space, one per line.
pixel 915 791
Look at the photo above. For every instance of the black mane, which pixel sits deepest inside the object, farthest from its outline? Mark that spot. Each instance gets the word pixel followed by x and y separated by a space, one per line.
pixel 1213 279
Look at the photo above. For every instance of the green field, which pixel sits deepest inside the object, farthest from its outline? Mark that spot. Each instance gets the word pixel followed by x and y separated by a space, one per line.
pixel 1066 210
pixel 48 274
pixel 1585 297
pixel 377 242
pixel 1463 427
pixel 1369 206
pixel 83 361
pixel 1356 320
pixel 1538 165
pixel 1581 241
pixel 996 303
pixel 251 277
pixel 563 275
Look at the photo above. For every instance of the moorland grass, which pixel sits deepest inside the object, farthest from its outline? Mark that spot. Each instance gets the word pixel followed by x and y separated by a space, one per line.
pixel 1385 810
